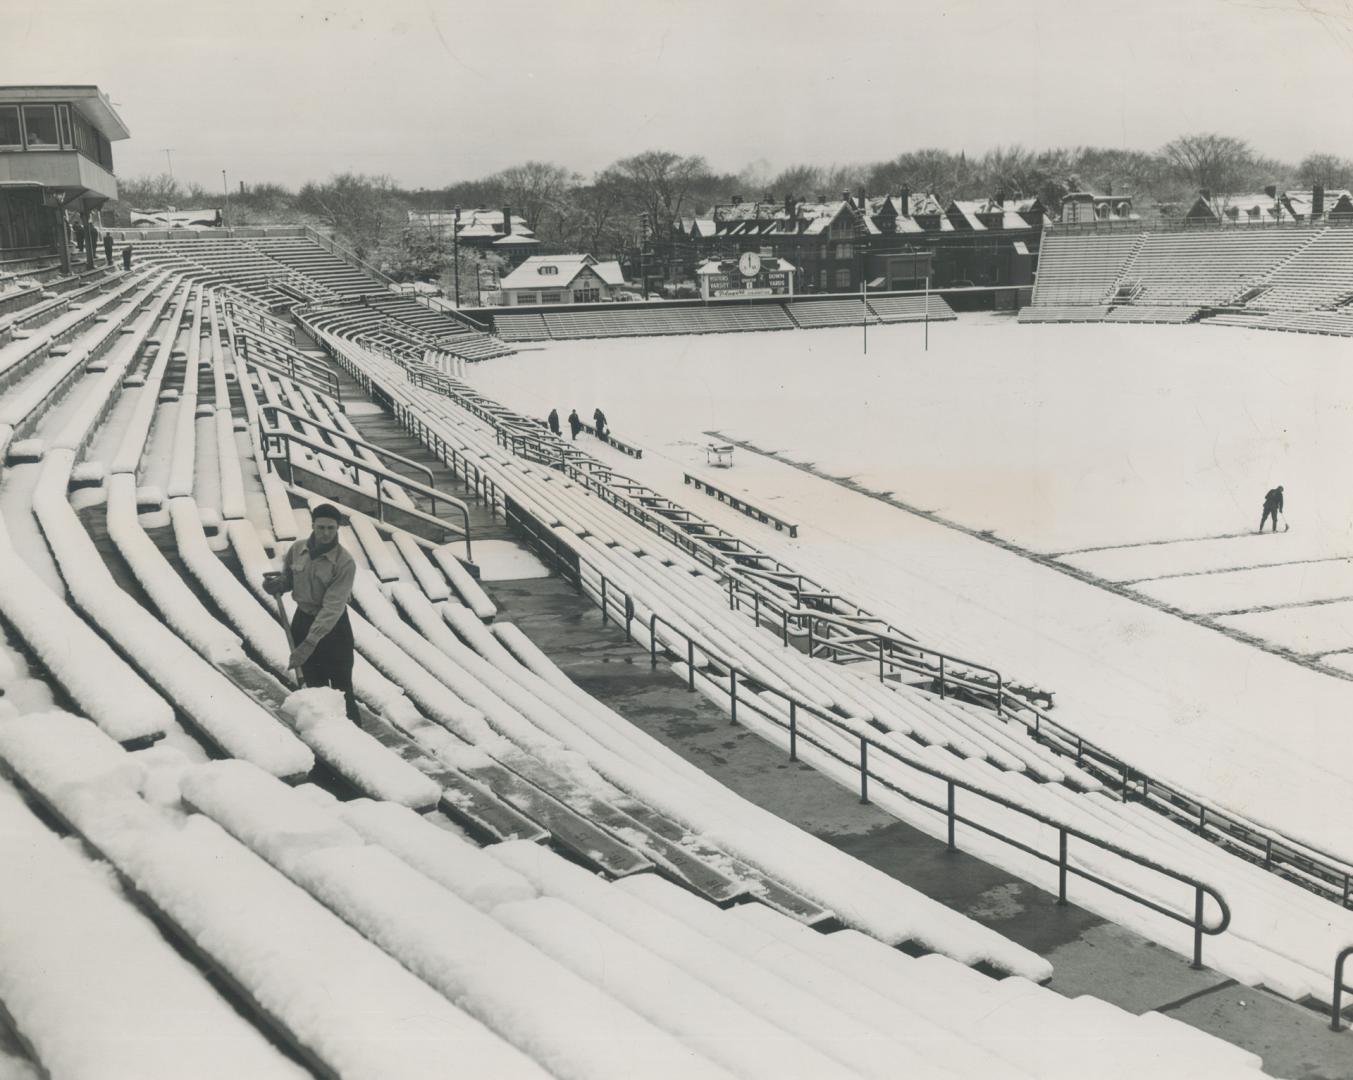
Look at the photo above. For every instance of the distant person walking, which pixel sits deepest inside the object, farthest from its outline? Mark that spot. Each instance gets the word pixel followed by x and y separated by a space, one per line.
pixel 108 248
pixel 77 232
pixel 554 421
pixel 599 422
pixel 127 257
pixel 574 424
pixel 1273 506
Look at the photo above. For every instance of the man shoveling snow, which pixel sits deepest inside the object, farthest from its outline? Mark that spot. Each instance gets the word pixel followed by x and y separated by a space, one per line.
pixel 1273 506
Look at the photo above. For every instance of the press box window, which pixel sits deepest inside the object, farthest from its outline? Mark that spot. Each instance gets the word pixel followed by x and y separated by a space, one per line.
pixel 10 133
pixel 39 123
pixel 551 297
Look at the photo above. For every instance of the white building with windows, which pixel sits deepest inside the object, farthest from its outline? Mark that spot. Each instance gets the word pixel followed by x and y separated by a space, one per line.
pixel 561 279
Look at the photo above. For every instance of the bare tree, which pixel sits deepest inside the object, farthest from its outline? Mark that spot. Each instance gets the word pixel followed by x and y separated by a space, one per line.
pixel 1217 163
pixel 538 189
pixel 659 183
pixel 1328 170
pixel 364 210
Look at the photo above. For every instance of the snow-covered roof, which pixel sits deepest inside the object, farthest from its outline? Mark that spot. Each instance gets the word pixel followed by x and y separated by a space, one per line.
pixel 474 222
pixel 516 238
pixel 559 271
pixel 968 209
pixel 1302 201
pixel 176 219
pixel 770 263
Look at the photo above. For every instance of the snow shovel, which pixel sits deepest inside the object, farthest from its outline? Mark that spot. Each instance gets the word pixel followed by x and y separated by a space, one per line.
pixel 286 629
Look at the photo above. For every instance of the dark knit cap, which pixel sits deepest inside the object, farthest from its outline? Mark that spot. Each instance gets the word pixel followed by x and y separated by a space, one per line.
pixel 324 510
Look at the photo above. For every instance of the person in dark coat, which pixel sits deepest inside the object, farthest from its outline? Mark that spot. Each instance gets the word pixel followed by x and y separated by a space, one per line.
pixel 1273 506
pixel 319 574
pixel 554 421
pixel 127 257
pixel 574 424
pixel 108 248
pixel 78 234
pixel 599 422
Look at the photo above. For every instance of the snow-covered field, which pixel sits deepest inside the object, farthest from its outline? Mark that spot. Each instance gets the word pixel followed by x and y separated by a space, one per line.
pixel 1153 445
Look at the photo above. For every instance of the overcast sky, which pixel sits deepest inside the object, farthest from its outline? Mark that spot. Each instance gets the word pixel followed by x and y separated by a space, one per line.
pixel 431 91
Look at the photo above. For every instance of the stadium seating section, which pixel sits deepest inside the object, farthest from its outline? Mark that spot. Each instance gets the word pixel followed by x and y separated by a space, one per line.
pixel 302 895
pixel 1297 278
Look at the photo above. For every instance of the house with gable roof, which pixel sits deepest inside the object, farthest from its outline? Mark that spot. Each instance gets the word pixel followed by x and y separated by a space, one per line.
pixel 882 241
pixel 561 279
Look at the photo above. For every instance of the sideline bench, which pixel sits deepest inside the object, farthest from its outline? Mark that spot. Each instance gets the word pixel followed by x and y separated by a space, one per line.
pixel 739 503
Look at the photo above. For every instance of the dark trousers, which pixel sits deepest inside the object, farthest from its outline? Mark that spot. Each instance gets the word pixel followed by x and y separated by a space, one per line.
pixel 1269 512
pixel 331 662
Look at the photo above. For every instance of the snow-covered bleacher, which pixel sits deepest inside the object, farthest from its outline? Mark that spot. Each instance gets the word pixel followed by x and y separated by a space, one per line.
pixel 382 899
pixel 1296 278
pixel 922 749
pixel 1074 269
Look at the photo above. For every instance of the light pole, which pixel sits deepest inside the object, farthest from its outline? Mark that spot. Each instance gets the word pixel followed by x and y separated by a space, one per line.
pixel 455 251
pixel 225 190
pixel 643 241
pixel 169 160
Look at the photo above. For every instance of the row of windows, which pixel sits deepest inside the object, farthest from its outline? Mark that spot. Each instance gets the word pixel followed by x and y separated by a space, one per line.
pixel 841 281
pixel 52 127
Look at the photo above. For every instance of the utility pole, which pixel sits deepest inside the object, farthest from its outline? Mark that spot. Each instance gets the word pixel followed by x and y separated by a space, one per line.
pixel 225 189
pixel 927 311
pixel 169 159
pixel 864 310
pixel 643 243
pixel 455 251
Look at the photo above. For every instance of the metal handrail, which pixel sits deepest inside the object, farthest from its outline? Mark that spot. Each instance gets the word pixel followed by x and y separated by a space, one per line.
pixel 379 475
pixel 1316 871
pixel 890 652
pixel 338 249
pixel 1339 987
pixel 273 410
pixel 614 595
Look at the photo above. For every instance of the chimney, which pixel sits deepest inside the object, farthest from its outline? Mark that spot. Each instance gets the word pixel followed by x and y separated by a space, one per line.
pixel 1317 201
pixel 737 200
pixel 1271 190
pixel 905 199
pixel 789 206
pixel 864 201
pixel 507 221
pixel 821 198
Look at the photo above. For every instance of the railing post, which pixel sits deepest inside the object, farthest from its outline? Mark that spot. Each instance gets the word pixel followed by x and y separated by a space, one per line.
pixel 942 693
pixel 793 730
pixel 952 847
pixel 1061 866
pixel 864 770
pixel 784 623
pixel 1198 927
pixel 653 640
pixel 690 663
pixel 1338 997
pixel 733 689
pixel 880 641
pixel 603 599
pixel 629 614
